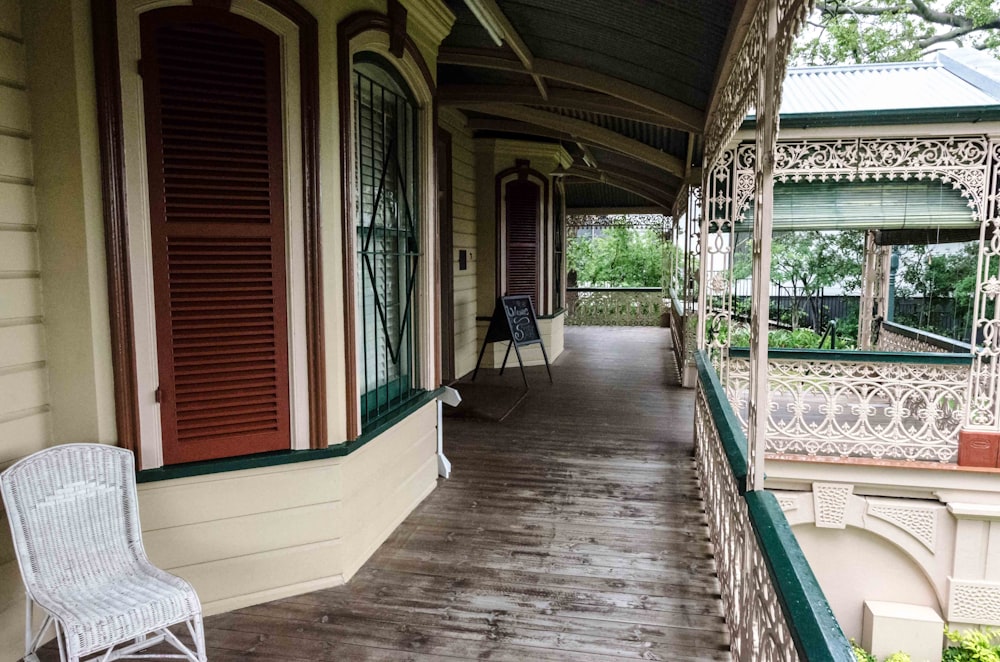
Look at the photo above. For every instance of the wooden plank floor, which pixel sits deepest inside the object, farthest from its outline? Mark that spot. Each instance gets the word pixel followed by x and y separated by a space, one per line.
pixel 573 530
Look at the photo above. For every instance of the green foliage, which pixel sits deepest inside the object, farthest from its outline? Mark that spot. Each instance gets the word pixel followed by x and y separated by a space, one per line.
pixel 620 257
pixel 972 645
pixel 784 339
pixel 867 31
pixel 939 277
pixel 861 654
pixel 808 261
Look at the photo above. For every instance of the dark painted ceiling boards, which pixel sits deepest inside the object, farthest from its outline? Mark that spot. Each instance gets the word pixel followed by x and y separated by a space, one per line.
pixel 628 81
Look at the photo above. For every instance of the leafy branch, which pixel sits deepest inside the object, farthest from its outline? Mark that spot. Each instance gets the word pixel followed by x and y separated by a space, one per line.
pixel 865 31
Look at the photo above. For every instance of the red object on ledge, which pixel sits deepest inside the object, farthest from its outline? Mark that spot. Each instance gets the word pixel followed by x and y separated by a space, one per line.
pixel 977 448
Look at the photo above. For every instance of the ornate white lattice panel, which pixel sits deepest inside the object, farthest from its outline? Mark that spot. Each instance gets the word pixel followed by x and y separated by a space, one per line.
pixel 830 502
pixel 974 602
pixel 984 379
pixel 740 87
pixel 656 222
pixel 788 502
pixel 917 520
pixel 961 161
pixel 895 342
pixel 899 411
pixel 757 625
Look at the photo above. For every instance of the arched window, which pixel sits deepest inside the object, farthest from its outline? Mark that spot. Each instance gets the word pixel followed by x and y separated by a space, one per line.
pixel 523 200
pixel 386 240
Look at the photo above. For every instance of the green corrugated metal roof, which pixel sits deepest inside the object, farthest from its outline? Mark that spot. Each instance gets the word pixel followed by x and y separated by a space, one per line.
pixel 884 205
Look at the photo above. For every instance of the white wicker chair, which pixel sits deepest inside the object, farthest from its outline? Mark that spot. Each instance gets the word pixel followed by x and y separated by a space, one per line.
pixel 74 519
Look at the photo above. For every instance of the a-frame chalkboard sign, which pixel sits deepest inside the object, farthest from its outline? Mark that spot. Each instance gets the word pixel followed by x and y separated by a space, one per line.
pixel 514 321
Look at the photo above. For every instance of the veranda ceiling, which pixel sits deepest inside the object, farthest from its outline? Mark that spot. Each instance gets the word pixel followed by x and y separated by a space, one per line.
pixel 623 84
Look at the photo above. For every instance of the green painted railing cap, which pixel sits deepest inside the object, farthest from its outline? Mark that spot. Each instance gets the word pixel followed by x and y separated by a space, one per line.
pixel 734 441
pixel 858 356
pixel 817 635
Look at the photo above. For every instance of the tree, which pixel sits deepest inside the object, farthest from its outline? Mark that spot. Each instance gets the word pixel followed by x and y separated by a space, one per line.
pixel 939 278
pixel 621 257
pixel 867 31
pixel 806 262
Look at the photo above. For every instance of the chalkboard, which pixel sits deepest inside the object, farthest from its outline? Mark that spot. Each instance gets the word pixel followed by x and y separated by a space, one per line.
pixel 514 321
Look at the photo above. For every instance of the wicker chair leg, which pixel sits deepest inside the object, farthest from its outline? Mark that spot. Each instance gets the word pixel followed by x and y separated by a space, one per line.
pixel 199 630
pixel 62 646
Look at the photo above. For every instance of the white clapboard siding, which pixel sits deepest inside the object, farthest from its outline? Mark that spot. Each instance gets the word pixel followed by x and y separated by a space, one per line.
pixel 23 376
pixel 261 534
pixel 385 480
pixel 464 237
pixel 24 402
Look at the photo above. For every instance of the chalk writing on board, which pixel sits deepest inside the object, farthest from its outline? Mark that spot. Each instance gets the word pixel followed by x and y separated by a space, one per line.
pixel 514 321
pixel 522 325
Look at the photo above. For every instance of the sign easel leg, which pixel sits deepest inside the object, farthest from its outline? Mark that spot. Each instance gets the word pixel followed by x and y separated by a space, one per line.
pixel 506 356
pixel 545 355
pixel 480 360
pixel 520 362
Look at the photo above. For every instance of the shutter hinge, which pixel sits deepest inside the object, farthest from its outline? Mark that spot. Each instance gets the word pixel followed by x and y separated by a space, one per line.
pixel 139 66
pixel 158 395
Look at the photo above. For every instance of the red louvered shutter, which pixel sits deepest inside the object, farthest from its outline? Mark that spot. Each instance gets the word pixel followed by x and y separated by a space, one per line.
pixel 522 201
pixel 212 94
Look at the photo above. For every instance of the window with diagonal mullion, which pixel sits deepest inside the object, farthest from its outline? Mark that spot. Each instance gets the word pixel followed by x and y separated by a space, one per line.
pixel 386 241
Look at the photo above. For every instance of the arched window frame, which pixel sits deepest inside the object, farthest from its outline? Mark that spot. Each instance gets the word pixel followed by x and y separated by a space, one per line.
pixel 121 113
pixel 522 171
pixel 369 32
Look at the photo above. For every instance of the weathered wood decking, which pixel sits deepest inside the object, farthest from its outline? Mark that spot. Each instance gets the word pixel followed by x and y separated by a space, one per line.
pixel 573 530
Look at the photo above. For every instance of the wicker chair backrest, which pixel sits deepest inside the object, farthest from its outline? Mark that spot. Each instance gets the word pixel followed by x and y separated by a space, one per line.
pixel 74 515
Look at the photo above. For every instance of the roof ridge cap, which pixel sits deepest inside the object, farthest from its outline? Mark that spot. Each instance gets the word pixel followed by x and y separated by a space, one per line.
pixel 871 66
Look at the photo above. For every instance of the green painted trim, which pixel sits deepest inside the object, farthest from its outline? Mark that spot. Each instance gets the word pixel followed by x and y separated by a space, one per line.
pixel 278 458
pixel 933 358
pixel 734 442
pixel 817 635
pixel 382 424
pixel 895 116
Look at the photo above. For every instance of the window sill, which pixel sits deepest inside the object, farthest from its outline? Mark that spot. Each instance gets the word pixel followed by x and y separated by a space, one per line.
pixel 261 460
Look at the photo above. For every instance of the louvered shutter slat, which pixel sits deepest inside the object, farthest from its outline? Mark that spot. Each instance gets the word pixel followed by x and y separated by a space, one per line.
pixel 213 125
pixel 522 202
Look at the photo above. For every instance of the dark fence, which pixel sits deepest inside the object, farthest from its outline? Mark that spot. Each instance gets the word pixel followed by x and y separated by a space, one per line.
pixel 939 315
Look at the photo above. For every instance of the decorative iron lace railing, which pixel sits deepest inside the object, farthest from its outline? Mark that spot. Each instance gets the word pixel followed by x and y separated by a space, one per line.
pixel 881 405
pixel 775 608
pixel 894 337
pixel 614 306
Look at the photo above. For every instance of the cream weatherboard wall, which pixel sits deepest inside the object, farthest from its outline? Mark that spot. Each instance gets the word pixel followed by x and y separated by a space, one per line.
pixel 25 424
pixel 241 537
pixel 24 398
pixel 250 536
pixel 464 237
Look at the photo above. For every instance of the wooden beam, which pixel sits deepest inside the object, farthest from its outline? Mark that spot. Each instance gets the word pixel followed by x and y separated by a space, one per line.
pixel 652 184
pixel 675 113
pixel 640 187
pixel 592 102
pixel 587 132
pixel 494 20
pixel 611 211
pixel 513 126
pixel 588 156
